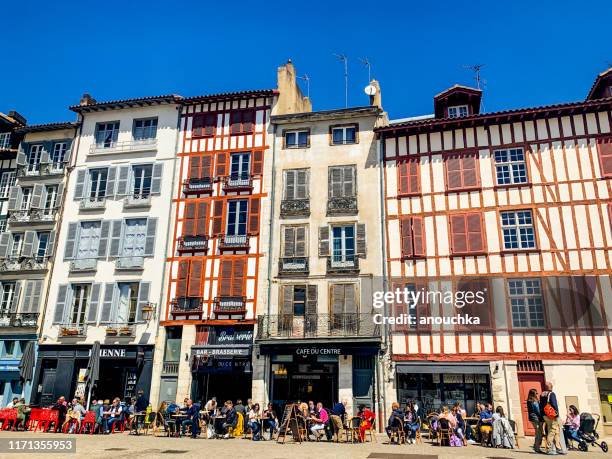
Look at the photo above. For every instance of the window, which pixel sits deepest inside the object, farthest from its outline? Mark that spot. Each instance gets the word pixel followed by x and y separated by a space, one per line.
pixel 33 158
pixel 7 180
pixel 58 156
pixel 50 199
pixel 296 184
pixel 343 244
pixel 8 293
pixel 204 124
pixel 343 302
pixel 145 129
pixel 26 198
pixel 237 217
pixel 241 122
pixel 240 166
pixel 604 145
pixel 97 184
pixel 141 180
pixel 297 139
pixel 134 237
pixel 5 140
pixel 299 300
pixel 526 302
pixel 461 171
pixel 127 302
pixel 413 237
pixel 43 244
pixel 2 225
pixel 517 228
pixel 88 240
pixel 408 175
pixel 510 166
pixel 16 245
pixel 342 182
pixel 458 111
pixel 80 299
pixel 294 241
pixel 9 348
pixel 466 233
pixel 106 134
pixel 343 135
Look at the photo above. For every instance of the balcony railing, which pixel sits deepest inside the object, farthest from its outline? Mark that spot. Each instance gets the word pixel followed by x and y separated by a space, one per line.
pixel 198 185
pixel 93 203
pixel 186 306
pixel 170 368
pixel 18 319
pixel 192 244
pixel 237 182
pixel 345 325
pixel 295 208
pixel 32 216
pixel 293 265
pixel 42 169
pixel 123 147
pixel 129 263
pixel 349 264
pixel 230 305
pixel 72 330
pixel 342 206
pixel 137 201
pixel 233 241
pixel 121 329
pixel 83 265
pixel 12 264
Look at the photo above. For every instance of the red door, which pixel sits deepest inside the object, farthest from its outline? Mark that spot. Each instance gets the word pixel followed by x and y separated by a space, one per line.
pixel 528 381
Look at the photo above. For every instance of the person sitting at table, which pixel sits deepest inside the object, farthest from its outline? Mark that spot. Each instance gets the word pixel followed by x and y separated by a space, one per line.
pixel 142 402
pixel 231 418
pixel 411 422
pixel 75 412
pixel 254 417
pixel 318 419
pixel 22 413
pixel 367 421
pixel 240 408
pixel 12 403
pixel 396 419
pixel 115 415
pixel 270 420
pixel 485 423
pixel 211 406
pixel 460 428
pixel 61 407
pixel 192 414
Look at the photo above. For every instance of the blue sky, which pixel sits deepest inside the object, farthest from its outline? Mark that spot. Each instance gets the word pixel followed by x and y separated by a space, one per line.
pixel 535 52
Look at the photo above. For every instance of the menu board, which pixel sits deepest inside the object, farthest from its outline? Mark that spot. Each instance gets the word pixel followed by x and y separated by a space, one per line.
pixel 130 383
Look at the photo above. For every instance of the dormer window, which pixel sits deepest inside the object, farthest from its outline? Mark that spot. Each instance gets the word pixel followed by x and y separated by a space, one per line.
pixel 458 111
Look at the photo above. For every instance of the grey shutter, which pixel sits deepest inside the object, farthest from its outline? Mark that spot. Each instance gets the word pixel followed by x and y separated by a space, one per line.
pixel 300 241
pixel 348 188
pixel 143 298
pixel 44 156
pixel 361 239
pixel 337 298
pixel 289 239
pixel 5 240
pixel 287 300
pixel 28 244
pixel 70 247
pixel 311 299
pixel 350 298
pixel 157 177
pixel 94 301
pixel 110 181
pixel 51 244
pixel 107 304
pixel 68 152
pixel 324 241
pixel 335 182
pixel 289 184
pixel 150 239
pixel 37 196
pixel 60 304
pixel 115 244
pixel 104 234
pixel 122 180
pixel 14 201
pixel 27 296
pixel 60 196
pixel 15 302
pixel 301 184
pixel 36 296
pixel 79 189
pixel 21 158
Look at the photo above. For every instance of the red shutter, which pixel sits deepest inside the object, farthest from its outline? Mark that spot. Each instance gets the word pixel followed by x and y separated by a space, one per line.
pixel 604 145
pixel 461 171
pixel 399 308
pixel 181 280
pixel 225 287
pixel 406 235
pixel 195 278
pixel 418 237
pixel 189 222
pixel 479 288
pixel 206 163
pixel 258 162
pixel 409 176
pixel 453 172
pixel 469 165
pixel 217 225
pixel 201 229
pixel 458 234
pixel 210 124
pixel 247 121
pixel 221 165
pixel 254 216
pixel 197 129
pixel 474 232
pixel 235 118
pixel 194 167
pixel 238 277
pixel 422 307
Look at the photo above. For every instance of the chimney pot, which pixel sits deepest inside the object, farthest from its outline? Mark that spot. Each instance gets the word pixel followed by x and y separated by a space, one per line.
pixel 86 99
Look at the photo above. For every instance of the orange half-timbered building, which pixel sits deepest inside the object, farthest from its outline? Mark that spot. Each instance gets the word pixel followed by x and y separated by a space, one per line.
pixel 515 205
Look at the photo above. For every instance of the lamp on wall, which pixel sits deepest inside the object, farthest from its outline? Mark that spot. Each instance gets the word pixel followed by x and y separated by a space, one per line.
pixel 148 311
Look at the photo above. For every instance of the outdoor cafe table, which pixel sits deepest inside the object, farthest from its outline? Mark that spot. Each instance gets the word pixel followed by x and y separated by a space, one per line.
pixel 218 423
pixel 138 422
pixel 179 418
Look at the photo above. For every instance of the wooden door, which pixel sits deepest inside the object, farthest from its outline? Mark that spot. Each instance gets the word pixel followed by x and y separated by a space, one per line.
pixel 528 381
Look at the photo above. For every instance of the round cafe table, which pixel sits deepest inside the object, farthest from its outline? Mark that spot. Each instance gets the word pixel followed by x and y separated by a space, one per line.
pixel 178 419
pixel 138 422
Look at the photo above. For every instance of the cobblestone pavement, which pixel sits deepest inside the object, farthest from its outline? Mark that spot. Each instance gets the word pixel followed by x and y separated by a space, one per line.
pixel 129 446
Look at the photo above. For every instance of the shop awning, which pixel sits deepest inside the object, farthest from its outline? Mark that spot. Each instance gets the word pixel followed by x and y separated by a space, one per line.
pixel 455 368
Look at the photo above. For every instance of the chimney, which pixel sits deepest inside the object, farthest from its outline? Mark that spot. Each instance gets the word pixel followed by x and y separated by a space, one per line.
pixel 376 99
pixel 290 97
pixel 18 117
pixel 86 99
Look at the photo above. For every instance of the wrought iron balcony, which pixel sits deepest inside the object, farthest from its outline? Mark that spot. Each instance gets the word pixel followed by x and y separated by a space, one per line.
pixel 72 330
pixel 121 329
pixel 238 182
pixel 186 306
pixel 230 305
pixel 42 169
pixel 130 146
pixel 342 206
pixel 192 244
pixel 83 265
pixel 198 185
pixel 129 263
pixel 21 217
pixel 293 265
pixel 93 203
pixel 295 208
pixel 137 201
pixel 348 265
pixel 233 241
pixel 18 319
pixel 12 264
pixel 345 325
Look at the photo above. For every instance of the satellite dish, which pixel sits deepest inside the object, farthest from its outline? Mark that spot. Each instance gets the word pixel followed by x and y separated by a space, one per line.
pixel 370 90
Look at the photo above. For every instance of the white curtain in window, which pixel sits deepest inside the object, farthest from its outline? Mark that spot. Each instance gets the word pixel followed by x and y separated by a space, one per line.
pixel 89 240
pixel 134 237
pixel 123 305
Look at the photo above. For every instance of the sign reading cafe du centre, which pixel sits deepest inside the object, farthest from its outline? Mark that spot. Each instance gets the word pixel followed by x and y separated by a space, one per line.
pixel 317 351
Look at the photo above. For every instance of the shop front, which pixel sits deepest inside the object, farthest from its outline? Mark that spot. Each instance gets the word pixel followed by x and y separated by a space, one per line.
pixel 60 371
pixel 434 385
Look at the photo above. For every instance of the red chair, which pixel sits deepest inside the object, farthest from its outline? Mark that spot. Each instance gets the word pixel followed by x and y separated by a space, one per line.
pixel 52 417
pixel 34 419
pixel 88 422
pixel 9 416
pixel 43 419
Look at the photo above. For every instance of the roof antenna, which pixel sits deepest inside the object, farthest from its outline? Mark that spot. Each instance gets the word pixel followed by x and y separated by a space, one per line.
pixel 306 78
pixel 344 59
pixel 480 83
pixel 368 64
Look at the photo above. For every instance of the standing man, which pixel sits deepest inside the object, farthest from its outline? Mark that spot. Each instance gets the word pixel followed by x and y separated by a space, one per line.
pixel 550 409
pixel 338 416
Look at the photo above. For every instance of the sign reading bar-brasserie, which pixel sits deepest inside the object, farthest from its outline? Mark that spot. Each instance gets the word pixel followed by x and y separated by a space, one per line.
pixel 317 351
pixel 221 351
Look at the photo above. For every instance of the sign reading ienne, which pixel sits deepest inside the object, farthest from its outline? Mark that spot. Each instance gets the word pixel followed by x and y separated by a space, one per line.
pixel 317 351
pixel 114 353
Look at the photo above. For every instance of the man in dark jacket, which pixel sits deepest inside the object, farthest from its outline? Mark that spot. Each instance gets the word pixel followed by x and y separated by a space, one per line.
pixel 231 418
pixel 337 416
pixel 192 412
pixel 396 420
pixel 142 402
pixel 550 410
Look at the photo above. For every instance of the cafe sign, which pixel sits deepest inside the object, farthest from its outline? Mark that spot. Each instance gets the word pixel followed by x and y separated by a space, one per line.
pixel 306 351
pixel 230 336
pixel 221 351
pixel 113 353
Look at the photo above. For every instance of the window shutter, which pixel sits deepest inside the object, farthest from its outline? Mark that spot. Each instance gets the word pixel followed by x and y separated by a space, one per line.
pixel 37 196
pixel 21 158
pixel 94 301
pixel 604 144
pixel 247 121
pixel 287 300
pixel 28 244
pixel 197 128
pixel 157 177
pixel 104 235
pixel 337 299
pixel 350 298
pixel 107 303
pixel 195 167
pixel 36 295
pixel 217 224
pixel 27 296
pixel 70 246
pixel 110 181
pixel 206 171
pixel 79 189
pixel 258 162
pixel 115 245
pixel 150 239
pixel 143 298
pixel 14 201
pixel 238 277
pixel 474 232
pixel 324 241
pixel 190 215
pixel 60 196
pixel 335 182
pixel 453 172
pixel 409 176
pixel 221 165
pixel 122 180
pixel 349 181
pixel 60 304
pixel 254 216
pixel 300 241
pixel 406 237
pixel 195 279
pixel 16 295
pixel 210 124
pixel 399 308
pixel 225 288
pixel 459 242
pixel 51 244
pixel 181 282
pixel 289 239
pixel 418 237
pixel 361 240
pixel 201 228
pixel 5 240
pixel 469 172
pixel 290 185
pixel 311 299
pixel 235 122
pixel 301 184
pixel 44 156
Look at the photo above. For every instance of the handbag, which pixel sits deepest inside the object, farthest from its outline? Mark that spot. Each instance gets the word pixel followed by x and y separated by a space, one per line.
pixel 549 411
